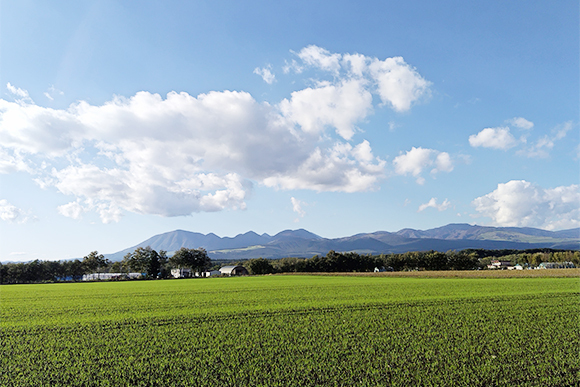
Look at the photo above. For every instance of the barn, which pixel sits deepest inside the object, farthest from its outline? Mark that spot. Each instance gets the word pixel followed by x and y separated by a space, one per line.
pixel 234 270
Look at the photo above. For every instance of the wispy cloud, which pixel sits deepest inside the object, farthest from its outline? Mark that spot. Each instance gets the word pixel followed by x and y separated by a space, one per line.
pixel 266 74
pixel 20 93
pixel 542 147
pixel 52 92
pixel 433 204
pixel 297 208
pixel 501 138
pixel 13 214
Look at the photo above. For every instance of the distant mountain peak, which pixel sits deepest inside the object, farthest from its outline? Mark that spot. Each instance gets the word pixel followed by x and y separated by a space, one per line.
pixel 300 233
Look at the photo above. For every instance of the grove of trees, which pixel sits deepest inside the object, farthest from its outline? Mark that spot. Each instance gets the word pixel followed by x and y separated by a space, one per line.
pixel 145 260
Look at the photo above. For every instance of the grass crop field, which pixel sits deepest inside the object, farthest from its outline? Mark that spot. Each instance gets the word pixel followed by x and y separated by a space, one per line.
pixel 293 331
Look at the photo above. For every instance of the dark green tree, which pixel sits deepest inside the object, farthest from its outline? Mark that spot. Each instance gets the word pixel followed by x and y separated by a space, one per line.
pixel 144 260
pixel 95 262
pixel 194 259
pixel 260 266
pixel 76 270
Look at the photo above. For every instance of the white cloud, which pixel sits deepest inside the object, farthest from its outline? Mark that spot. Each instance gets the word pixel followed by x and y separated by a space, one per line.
pixel 181 154
pixel 13 214
pixel 395 82
pixel 356 64
pixel 521 203
pixel 292 66
pixel 413 162
pixel 393 125
pixel 341 168
pixel 319 57
pixel 398 83
pixel 522 123
pixel 297 207
pixel 339 106
pixel 266 74
pixel 443 163
pixel 433 203
pixel 496 138
pixel 178 155
pixel 8 212
pixel 560 131
pixel 72 210
pixel 13 161
pixel 51 92
pixel 23 94
pixel 542 147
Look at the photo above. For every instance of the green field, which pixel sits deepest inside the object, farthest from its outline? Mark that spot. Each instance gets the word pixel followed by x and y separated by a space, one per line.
pixel 293 331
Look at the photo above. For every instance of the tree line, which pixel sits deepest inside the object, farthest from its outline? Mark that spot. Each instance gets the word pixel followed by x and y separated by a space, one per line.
pixel 469 259
pixel 144 260
pixel 155 265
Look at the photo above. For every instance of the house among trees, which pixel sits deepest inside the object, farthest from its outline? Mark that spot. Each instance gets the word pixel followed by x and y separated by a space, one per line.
pixel 181 273
pixel 234 270
pixel 496 264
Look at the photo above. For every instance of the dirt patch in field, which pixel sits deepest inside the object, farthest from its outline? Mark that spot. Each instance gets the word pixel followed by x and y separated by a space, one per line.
pixel 465 273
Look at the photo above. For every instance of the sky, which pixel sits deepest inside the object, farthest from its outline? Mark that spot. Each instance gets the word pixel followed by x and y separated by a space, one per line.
pixel 123 120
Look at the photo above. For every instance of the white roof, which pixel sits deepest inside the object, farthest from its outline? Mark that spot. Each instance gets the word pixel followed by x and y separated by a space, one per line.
pixel 229 269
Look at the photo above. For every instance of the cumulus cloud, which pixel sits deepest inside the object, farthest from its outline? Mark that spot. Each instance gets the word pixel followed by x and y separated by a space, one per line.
pixel 342 168
pixel 496 138
pixel 181 154
pixel 13 214
pixel 433 204
pixel 266 74
pixel 519 203
pixel 416 160
pixel 397 84
pixel 522 123
pixel 339 106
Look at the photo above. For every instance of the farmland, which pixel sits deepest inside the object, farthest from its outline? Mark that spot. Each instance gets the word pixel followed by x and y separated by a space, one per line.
pixel 293 331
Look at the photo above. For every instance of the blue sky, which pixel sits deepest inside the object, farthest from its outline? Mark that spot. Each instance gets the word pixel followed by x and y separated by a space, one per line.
pixel 122 120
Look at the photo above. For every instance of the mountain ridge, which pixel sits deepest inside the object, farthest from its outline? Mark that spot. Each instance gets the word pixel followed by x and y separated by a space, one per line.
pixel 303 243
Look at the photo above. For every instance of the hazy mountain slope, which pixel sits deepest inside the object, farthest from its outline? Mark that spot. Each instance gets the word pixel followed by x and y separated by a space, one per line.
pixel 458 231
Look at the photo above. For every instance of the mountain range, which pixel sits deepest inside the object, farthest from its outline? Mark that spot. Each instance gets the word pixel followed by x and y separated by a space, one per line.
pixel 303 243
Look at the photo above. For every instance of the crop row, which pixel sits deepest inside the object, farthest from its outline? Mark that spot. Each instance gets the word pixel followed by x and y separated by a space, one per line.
pixel 529 340
pixel 64 304
pixel 293 331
